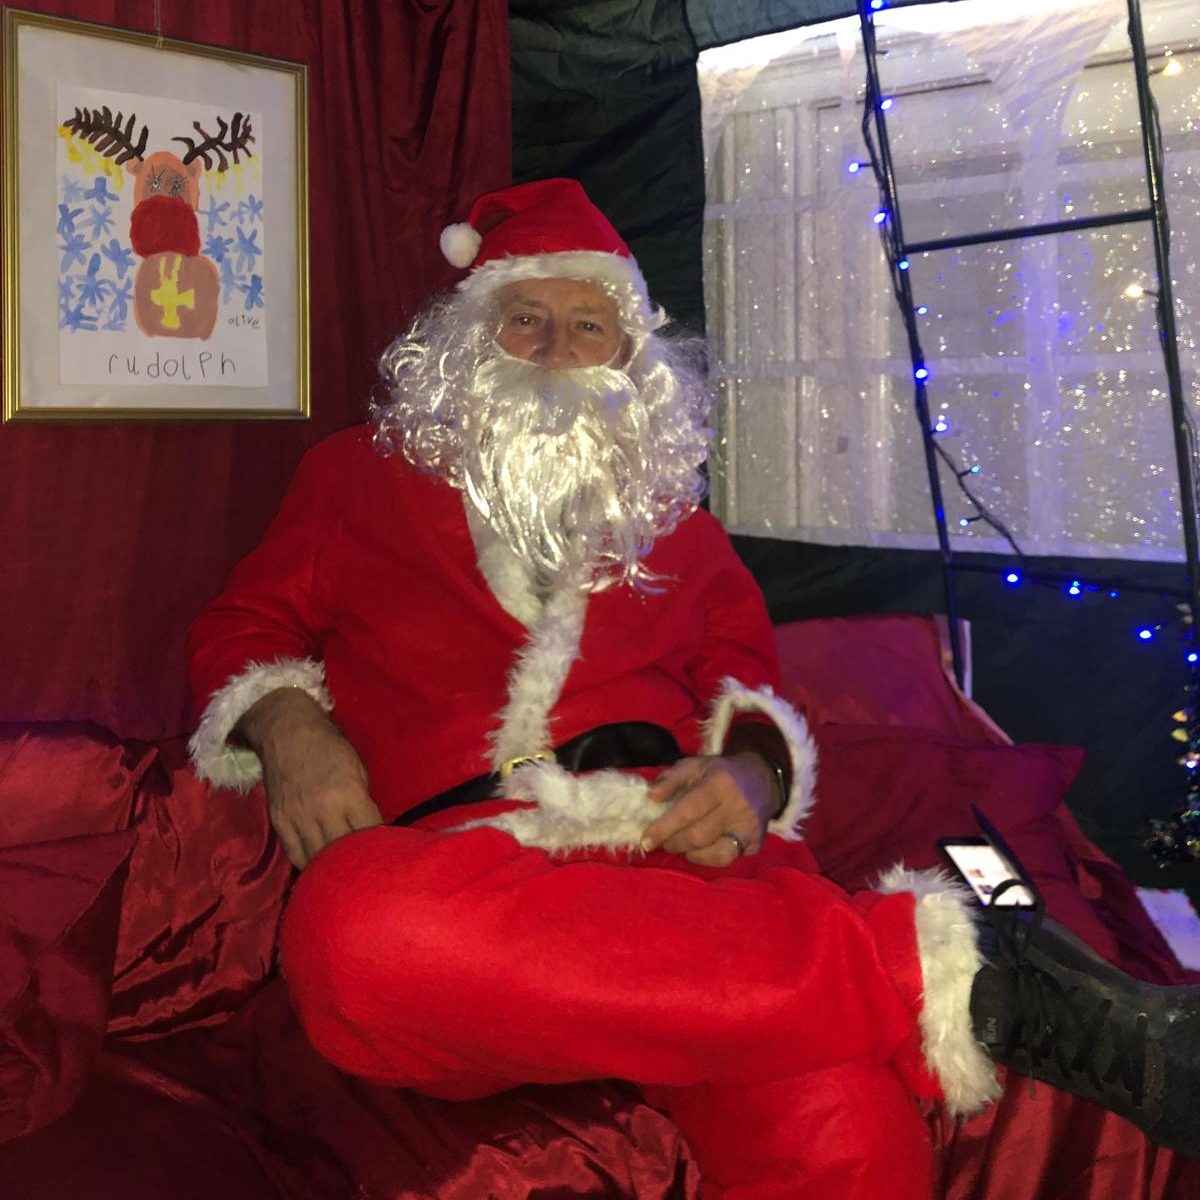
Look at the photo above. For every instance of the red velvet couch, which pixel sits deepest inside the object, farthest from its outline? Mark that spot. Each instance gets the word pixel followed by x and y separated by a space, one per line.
pixel 147 1049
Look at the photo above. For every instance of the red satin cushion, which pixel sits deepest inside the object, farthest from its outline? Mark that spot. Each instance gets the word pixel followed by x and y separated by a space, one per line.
pixel 59 780
pixel 206 880
pixel 60 907
pixel 124 1140
pixel 202 905
pixel 886 794
pixel 877 669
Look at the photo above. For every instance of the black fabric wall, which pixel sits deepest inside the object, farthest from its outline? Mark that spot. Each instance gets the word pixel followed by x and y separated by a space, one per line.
pixel 605 90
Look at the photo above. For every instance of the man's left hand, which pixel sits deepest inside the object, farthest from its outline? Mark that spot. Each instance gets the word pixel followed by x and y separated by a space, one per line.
pixel 711 797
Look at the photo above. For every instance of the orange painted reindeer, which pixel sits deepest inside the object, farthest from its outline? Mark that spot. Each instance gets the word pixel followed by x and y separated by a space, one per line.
pixel 177 289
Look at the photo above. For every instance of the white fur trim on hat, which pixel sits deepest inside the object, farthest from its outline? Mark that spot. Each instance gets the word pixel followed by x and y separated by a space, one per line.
pixel 949 951
pixel 460 243
pixel 218 761
pixel 590 265
pixel 735 697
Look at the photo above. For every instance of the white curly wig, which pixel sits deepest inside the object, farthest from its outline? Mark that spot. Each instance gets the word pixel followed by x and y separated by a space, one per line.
pixel 588 494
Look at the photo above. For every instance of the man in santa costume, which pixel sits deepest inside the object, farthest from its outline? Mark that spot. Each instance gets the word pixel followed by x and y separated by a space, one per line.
pixel 494 638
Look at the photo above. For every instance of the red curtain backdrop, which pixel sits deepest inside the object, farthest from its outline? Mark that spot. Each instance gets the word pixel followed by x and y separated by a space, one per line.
pixel 112 533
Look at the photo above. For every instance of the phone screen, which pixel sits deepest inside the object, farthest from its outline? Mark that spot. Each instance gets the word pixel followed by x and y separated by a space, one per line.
pixel 984 869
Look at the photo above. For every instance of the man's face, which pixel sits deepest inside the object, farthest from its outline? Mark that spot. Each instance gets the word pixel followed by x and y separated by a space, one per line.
pixel 559 323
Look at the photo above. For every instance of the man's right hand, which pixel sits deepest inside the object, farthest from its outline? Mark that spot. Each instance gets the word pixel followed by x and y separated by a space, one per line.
pixel 315 782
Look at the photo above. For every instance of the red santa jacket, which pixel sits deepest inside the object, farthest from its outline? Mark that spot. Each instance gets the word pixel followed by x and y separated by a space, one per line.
pixel 368 592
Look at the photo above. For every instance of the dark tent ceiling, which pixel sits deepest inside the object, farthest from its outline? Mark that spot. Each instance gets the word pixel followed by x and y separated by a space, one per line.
pixel 718 22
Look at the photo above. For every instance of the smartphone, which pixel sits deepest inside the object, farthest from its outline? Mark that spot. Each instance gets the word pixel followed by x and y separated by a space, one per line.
pixel 983 869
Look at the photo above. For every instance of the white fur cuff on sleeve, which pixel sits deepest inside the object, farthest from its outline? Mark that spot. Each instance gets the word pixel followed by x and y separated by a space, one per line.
pixel 735 697
pixel 949 951
pixel 227 765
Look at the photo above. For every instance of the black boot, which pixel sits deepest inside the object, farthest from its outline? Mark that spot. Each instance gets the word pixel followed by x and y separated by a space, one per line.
pixel 1047 1005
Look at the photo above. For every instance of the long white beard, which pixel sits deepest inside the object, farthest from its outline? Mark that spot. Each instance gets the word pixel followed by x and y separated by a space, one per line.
pixel 559 465
pixel 576 471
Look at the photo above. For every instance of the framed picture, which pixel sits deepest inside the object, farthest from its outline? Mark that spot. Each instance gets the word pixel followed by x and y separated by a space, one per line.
pixel 155 227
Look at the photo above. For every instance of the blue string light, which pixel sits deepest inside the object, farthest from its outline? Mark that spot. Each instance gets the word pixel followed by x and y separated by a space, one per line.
pixel 903 264
pixel 921 373
pixel 922 310
pixel 1193 657
pixel 886 104
pixel 1076 587
pixel 876 5
pixel 881 216
pixel 854 167
pixel 941 425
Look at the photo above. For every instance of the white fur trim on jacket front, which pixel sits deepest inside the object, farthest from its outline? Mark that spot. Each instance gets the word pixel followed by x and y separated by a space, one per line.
pixel 735 697
pixel 537 677
pixel 214 757
pixel 949 951
pixel 603 809
pixel 510 579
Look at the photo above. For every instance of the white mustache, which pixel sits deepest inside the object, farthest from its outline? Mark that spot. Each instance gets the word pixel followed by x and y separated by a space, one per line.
pixel 563 392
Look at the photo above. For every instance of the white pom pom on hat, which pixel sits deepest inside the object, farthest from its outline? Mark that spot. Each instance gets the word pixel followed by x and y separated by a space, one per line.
pixel 460 244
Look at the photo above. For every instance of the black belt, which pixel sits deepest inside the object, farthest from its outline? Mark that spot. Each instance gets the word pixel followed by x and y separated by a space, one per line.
pixel 620 744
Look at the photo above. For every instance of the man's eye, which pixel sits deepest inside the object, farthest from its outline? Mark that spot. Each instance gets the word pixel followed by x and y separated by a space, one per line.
pixel 524 320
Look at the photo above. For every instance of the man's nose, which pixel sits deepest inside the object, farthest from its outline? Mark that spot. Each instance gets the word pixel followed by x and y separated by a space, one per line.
pixel 556 350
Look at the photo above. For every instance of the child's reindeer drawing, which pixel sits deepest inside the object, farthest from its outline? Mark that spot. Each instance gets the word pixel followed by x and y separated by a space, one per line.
pixel 177 290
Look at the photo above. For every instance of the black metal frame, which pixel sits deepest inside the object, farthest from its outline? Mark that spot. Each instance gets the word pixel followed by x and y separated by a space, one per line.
pixel 899 252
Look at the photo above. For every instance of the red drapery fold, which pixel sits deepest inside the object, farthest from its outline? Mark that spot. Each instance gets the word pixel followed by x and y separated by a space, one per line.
pixel 112 533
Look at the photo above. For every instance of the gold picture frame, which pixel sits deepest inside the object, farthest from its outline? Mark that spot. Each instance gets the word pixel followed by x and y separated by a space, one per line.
pixel 155 243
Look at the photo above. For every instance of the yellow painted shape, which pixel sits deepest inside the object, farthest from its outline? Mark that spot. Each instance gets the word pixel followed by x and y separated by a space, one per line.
pixel 74 145
pixel 93 162
pixel 167 295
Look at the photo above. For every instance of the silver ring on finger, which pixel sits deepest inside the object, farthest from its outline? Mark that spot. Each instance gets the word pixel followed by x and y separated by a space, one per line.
pixel 737 841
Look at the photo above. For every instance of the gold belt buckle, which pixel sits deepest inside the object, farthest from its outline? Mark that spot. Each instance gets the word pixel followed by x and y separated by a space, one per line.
pixel 511 764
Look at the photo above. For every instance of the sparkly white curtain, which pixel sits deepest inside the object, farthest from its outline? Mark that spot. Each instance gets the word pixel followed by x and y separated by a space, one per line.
pixel 1043 371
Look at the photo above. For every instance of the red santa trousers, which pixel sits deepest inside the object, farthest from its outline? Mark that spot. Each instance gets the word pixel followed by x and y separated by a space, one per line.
pixel 774 1016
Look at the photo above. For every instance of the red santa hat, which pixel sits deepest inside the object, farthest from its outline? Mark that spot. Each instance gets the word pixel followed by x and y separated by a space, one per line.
pixel 548 228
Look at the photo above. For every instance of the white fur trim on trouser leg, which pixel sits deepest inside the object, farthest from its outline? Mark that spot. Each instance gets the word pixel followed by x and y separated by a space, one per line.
pixel 949 950
pixel 735 697
pixel 603 809
pixel 226 765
